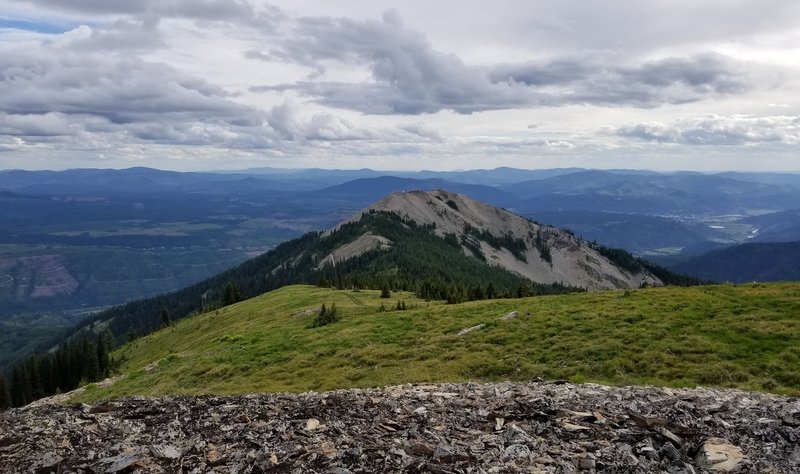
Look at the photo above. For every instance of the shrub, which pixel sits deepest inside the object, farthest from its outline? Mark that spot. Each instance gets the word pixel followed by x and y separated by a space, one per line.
pixel 325 316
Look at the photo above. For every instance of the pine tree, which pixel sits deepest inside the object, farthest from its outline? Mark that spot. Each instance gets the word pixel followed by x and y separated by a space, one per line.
pixel 91 366
pixel 20 387
pixel 165 319
pixel 325 316
pixel 5 396
pixel 385 292
pixel 231 294
pixel 103 361
pixel 35 382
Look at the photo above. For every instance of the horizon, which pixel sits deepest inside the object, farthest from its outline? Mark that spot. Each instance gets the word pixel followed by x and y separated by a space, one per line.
pixel 404 171
pixel 240 84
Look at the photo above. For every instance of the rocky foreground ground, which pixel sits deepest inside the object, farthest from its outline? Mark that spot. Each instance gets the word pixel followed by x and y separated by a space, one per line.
pixel 470 428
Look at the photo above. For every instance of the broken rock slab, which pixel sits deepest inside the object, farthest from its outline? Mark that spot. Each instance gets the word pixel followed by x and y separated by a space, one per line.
pixel 470 329
pixel 719 455
pixel 510 316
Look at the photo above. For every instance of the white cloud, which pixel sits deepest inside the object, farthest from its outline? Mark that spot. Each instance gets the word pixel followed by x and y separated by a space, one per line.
pixel 718 130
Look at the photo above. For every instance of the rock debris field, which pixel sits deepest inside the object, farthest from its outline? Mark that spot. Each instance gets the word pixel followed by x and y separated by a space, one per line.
pixel 442 428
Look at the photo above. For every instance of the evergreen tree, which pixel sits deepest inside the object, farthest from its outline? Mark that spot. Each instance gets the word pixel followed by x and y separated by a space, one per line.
pixel 47 379
pixel 231 294
pixel 5 396
pixel 325 316
pixel 165 319
pixel 35 382
pixel 20 387
pixel 103 360
pixel 91 366
pixel 385 292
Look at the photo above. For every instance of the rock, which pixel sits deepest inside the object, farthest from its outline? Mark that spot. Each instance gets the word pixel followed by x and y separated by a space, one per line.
pixel 50 462
pixel 212 454
pixel 795 456
pixel 123 462
pixel 573 427
pixel 586 462
pixel 517 451
pixel 470 329
pixel 312 424
pixel 509 316
pixel 669 452
pixel 498 423
pixel 470 428
pixel 165 451
pixel 719 455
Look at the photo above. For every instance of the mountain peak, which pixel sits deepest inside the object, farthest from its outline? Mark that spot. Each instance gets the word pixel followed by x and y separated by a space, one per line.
pixel 541 253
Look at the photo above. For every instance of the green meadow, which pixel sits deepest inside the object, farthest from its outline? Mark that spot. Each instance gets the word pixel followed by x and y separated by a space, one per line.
pixel 743 336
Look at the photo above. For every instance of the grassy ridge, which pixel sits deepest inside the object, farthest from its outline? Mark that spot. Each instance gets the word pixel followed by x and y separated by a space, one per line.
pixel 731 336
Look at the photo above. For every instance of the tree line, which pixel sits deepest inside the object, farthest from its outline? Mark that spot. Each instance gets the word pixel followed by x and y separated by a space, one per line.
pixel 79 361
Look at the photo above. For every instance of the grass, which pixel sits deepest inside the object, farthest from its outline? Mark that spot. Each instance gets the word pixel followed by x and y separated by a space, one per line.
pixel 745 336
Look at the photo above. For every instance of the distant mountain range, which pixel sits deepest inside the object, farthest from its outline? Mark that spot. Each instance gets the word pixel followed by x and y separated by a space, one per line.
pixel 775 261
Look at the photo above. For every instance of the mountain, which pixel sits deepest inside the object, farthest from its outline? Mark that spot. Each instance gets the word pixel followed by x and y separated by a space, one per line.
pixel 747 262
pixel 371 189
pixel 649 193
pixel 543 254
pixel 439 244
pixel 776 227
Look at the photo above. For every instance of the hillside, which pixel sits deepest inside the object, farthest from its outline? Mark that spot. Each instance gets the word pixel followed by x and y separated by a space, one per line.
pixel 413 241
pixel 541 253
pixel 728 336
pixel 778 261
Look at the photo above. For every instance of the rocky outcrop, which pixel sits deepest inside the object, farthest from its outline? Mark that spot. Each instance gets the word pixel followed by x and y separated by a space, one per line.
pixel 505 427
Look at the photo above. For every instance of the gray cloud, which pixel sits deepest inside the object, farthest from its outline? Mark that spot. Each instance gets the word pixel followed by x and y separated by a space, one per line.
pixel 411 77
pixel 718 130
pixel 649 84
pixel 285 119
pixel 72 91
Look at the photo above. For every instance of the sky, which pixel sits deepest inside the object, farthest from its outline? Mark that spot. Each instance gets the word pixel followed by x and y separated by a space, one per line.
pixel 706 85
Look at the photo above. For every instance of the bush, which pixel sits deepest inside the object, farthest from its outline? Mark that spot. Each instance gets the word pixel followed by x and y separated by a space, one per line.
pixel 325 316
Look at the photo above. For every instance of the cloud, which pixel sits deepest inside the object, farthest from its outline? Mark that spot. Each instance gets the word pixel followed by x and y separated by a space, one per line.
pixel 196 9
pixel 409 76
pixel 718 130
pixel 287 121
pixel 79 90
pixel 602 82
pixel 72 87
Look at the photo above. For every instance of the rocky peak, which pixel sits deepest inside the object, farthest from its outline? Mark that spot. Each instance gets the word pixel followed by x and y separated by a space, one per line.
pixel 541 253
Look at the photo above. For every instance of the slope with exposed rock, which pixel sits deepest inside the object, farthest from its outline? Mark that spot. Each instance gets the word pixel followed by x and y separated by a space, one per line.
pixel 540 253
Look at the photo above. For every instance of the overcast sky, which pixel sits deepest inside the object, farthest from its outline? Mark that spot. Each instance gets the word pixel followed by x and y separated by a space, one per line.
pixel 231 84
